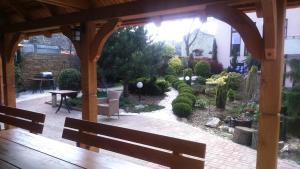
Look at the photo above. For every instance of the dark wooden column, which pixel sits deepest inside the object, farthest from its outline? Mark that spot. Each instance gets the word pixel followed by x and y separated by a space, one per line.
pixel 271 83
pixel 10 45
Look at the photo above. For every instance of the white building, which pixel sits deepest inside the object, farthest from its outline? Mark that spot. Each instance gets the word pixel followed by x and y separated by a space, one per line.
pixel 203 42
pixel 229 41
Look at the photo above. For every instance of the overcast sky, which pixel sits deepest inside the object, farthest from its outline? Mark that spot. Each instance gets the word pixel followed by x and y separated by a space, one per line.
pixel 176 29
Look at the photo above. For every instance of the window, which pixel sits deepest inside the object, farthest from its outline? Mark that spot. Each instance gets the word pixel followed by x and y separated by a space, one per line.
pixel 235 43
pixel 285 28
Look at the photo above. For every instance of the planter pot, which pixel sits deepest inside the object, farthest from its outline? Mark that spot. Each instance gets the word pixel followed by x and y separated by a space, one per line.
pixel 243 123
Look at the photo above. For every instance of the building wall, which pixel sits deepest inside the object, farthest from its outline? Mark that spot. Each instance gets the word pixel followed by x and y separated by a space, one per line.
pixel 32 64
pixel 292 42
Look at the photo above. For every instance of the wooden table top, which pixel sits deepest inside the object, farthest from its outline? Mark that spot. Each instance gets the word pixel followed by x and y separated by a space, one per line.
pixel 63 91
pixel 21 149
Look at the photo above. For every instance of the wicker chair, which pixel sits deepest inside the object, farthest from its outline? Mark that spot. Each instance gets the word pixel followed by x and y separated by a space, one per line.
pixel 109 105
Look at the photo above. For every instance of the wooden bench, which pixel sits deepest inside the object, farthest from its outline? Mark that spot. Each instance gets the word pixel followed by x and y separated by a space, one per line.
pixel 28 120
pixel 167 151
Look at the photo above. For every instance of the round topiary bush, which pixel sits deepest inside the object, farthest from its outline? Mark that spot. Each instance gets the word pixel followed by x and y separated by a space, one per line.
pixel 190 96
pixel 182 110
pixel 202 68
pixel 186 90
pixel 177 83
pixel 69 79
pixel 182 85
pixel 182 99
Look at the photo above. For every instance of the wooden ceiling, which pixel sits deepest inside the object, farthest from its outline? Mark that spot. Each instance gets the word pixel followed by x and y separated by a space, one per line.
pixel 39 15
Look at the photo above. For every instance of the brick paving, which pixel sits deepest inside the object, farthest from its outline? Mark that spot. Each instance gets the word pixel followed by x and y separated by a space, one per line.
pixel 220 154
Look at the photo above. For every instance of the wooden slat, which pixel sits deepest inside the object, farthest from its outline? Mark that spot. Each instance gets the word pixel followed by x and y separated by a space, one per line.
pixel 36 117
pixel 66 152
pixel 133 150
pixel 164 142
pixel 32 127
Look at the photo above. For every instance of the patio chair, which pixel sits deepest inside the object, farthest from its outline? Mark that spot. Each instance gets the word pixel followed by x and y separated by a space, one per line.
pixel 109 105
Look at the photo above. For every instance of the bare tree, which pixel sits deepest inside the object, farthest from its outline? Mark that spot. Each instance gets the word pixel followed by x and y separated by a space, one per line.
pixel 190 38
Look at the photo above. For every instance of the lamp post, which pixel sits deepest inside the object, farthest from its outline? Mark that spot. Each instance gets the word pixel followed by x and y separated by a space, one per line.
pixel 187 80
pixel 139 85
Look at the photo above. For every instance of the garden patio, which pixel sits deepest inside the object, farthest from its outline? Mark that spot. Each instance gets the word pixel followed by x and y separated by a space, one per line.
pixel 89 24
pixel 221 153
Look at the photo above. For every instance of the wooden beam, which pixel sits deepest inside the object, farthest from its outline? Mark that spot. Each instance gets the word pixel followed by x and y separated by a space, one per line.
pixel 77 4
pixel 243 24
pixel 19 10
pixel 102 36
pixel 270 35
pixel 127 11
pixel 270 96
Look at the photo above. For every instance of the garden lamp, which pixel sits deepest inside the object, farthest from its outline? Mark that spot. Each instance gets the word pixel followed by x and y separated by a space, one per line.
pixel 187 79
pixel 139 85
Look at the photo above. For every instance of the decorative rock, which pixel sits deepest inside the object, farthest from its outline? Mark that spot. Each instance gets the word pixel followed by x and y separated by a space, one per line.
pixel 213 122
pixel 280 145
pixel 224 128
pixel 243 135
pixel 231 130
pixel 227 119
pixel 140 106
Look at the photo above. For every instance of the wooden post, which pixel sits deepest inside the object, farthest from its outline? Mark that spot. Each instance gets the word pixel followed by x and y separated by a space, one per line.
pixel 10 45
pixel 88 68
pixel 271 88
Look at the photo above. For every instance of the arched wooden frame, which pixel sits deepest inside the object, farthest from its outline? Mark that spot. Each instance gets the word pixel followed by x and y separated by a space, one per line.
pixel 243 24
pixel 102 36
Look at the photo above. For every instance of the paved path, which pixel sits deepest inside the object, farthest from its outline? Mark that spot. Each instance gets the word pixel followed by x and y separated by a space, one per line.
pixel 221 153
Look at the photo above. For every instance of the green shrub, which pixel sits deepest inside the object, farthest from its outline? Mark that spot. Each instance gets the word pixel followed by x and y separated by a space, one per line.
pixel 163 85
pixel 182 110
pixel 201 103
pixel 151 86
pixel 293 106
pixel 177 83
pixel 186 90
pixel 234 80
pixel 175 64
pixel 231 95
pixel 170 78
pixel 190 96
pixel 69 79
pixel 182 99
pixel 201 80
pixel 202 68
pixel 187 72
pixel 182 85
pixel 221 97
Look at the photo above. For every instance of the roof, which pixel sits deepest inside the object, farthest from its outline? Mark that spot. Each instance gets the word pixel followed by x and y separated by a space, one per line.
pixel 31 16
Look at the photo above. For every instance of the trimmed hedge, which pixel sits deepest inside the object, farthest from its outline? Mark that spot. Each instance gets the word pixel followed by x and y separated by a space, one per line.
pixel 182 99
pixel 151 86
pixel 190 96
pixel 182 110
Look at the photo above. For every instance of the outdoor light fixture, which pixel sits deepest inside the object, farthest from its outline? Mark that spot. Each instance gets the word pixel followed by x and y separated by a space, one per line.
pixel 140 86
pixel 187 78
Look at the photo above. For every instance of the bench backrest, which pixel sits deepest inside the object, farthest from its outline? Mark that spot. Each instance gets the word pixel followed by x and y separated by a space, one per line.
pixel 25 119
pixel 163 150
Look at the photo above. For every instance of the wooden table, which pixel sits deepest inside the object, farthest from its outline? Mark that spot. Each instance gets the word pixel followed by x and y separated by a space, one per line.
pixel 63 98
pixel 21 149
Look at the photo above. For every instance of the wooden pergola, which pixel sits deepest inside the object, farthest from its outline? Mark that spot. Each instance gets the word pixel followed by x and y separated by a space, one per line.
pixel 97 19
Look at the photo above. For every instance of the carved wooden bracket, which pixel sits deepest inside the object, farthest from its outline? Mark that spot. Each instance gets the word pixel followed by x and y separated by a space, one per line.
pixel 67 31
pixel 269 13
pixel 102 36
pixel 243 24
pixel 10 45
